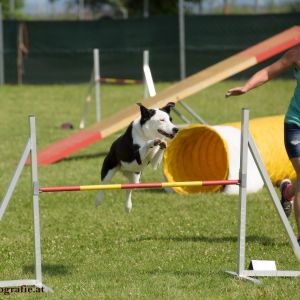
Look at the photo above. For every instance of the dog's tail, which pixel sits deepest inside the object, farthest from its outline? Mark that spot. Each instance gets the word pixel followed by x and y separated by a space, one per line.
pixel 103 175
pixel 107 171
pixel 109 164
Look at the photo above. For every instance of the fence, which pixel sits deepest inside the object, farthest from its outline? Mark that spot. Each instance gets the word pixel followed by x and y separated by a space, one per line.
pixel 60 51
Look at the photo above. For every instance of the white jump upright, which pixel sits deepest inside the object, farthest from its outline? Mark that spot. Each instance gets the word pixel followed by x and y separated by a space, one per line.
pixel 29 149
pixel 97 84
pixel 94 82
pixel 149 89
pixel 241 272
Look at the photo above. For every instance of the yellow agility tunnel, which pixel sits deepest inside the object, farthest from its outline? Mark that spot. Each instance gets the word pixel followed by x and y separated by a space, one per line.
pixel 201 152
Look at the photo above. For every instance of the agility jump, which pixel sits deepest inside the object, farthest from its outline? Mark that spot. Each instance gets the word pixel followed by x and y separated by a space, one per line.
pixel 247 144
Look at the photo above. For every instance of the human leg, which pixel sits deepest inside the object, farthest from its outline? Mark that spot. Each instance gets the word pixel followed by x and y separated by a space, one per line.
pixel 287 195
pixel 296 164
pixel 292 191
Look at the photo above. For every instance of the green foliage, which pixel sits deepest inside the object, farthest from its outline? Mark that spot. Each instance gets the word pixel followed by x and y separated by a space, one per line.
pixel 116 3
pixel 170 247
pixel 156 7
pixel 6 9
pixel 170 7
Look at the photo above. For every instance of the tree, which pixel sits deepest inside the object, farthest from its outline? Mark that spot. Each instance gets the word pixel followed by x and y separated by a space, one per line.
pixel 8 5
pixel 95 3
pixel 156 7
pixel 135 7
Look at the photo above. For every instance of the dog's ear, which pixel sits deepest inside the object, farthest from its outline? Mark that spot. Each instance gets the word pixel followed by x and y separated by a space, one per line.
pixel 168 107
pixel 146 113
pixel 144 110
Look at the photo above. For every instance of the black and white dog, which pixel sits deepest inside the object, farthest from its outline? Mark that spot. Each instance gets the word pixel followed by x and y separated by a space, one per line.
pixel 141 144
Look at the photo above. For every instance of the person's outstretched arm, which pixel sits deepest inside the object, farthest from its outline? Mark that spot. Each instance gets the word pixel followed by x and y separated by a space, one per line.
pixel 288 60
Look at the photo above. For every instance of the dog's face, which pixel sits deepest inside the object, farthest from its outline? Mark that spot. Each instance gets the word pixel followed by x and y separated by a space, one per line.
pixel 157 123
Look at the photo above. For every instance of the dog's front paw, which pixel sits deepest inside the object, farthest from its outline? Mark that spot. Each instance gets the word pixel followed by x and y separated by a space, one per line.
pixel 162 145
pixel 157 142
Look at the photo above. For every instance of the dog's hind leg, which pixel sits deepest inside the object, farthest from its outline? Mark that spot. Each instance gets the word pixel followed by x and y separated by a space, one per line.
pixel 133 178
pixel 106 179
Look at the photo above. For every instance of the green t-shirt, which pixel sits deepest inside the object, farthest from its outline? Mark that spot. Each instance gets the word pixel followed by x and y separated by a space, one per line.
pixel 293 113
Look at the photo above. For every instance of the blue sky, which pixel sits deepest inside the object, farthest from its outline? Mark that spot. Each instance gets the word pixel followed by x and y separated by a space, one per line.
pixel 42 6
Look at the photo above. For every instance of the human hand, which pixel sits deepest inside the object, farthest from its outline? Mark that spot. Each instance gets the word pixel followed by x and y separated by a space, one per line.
pixel 235 92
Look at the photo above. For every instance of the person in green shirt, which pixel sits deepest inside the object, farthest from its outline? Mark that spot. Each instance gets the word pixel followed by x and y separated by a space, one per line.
pixel 289 61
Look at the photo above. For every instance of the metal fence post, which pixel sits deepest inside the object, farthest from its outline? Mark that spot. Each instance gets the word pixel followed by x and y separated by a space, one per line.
pixel 182 39
pixel 97 84
pixel 2 79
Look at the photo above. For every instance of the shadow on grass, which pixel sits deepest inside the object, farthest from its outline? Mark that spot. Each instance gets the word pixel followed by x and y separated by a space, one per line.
pixel 252 238
pixel 83 156
pixel 51 270
pixel 176 273
pixel 151 190
pixel 221 274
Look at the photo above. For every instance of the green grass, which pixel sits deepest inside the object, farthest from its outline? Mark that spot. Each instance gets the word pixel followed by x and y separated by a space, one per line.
pixel 170 247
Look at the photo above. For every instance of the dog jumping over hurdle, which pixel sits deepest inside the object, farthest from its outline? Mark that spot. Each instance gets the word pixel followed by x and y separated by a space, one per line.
pixel 143 142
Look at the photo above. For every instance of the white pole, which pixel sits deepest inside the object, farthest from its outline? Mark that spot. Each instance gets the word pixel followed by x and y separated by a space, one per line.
pixel 181 39
pixel 81 10
pixel 14 180
pixel 256 9
pixel 97 83
pixel 145 63
pixel 149 89
pixel 1 48
pixel 243 192
pixel 35 197
pixel 146 9
pixel 11 9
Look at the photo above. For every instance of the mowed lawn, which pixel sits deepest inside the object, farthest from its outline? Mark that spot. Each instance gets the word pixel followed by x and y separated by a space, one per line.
pixel 170 247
